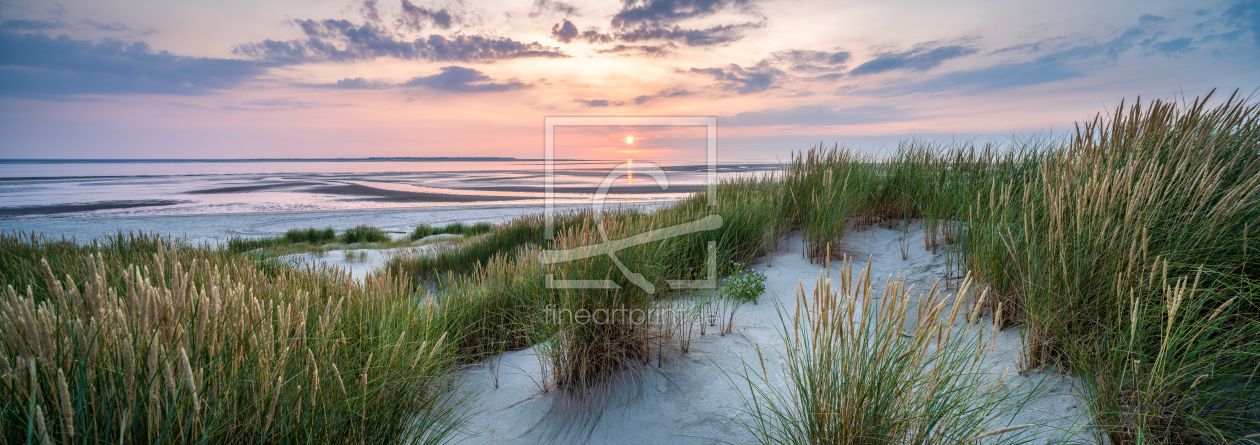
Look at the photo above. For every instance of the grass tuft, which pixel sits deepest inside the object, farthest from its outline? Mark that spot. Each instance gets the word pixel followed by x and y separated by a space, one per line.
pixel 364 234
pixel 867 368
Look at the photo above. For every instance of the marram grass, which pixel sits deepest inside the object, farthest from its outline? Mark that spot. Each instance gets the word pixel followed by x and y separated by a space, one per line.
pixel 868 368
pixel 190 348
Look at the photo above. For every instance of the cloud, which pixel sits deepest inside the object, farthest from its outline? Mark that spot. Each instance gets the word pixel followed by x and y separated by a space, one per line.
pixel 1066 62
pixel 29 25
pixel 1147 19
pixel 744 80
pixel 564 32
pixel 655 13
pixel 816 115
pixel 343 41
pixel 335 40
pixel 1001 76
pixel 462 80
pixel 593 102
pixel 663 94
pixel 640 50
pixel 922 58
pixel 414 16
pixel 541 6
pixel 1246 16
pixel 1174 46
pixel 38 66
pixel 660 20
pixel 112 27
pixel 370 12
pixel 713 35
pixel 451 78
pixel 1026 47
pixel 811 61
pixel 567 32
pixel 357 83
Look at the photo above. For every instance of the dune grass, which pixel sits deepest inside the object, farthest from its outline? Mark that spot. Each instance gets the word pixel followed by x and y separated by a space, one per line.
pixel 1131 256
pixel 1125 252
pixel 138 340
pixel 364 234
pixel 312 237
pixel 457 228
pixel 497 276
pixel 867 368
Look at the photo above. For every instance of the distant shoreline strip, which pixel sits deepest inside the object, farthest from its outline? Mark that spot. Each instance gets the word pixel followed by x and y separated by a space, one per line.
pixel 394 159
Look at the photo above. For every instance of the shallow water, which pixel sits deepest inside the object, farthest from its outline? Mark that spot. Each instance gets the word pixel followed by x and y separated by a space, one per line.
pixel 211 201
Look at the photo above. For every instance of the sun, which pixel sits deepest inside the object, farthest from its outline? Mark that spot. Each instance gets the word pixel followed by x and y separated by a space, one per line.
pixel 629 139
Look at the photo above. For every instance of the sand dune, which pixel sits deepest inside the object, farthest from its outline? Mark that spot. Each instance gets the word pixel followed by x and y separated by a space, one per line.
pixel 691 398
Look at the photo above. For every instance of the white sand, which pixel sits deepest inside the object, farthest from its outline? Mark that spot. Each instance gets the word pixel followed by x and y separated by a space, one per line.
pixel 691 398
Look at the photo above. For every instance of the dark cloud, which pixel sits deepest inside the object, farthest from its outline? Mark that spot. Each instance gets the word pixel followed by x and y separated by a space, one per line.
pixel 542 6
pixel 112 27
pixel 343 41
pixel 29 25
pixel 744 80
pixel 462 80
pixel 659 20
pixel 660 13
pixel 641 99
pixel 714 35
pixel 593 102
pixel 565 31
pixel 38 66
pixel 922 58
pixel 415 17
pixel 816 115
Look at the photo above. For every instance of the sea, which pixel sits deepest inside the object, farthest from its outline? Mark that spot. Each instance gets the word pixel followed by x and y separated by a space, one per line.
pixel 211 201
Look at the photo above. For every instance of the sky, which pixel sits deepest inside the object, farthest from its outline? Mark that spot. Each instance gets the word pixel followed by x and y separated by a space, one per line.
pixel 337 78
